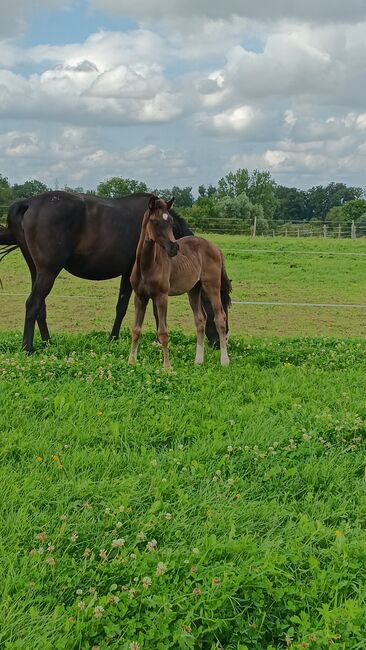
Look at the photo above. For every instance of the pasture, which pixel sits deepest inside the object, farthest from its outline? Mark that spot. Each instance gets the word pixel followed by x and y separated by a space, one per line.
pixel 79 306
pixel 204 508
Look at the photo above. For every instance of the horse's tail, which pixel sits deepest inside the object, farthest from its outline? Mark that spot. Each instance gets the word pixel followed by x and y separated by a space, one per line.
pixel 8 242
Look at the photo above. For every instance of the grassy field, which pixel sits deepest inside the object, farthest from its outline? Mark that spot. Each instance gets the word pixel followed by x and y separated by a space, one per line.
pixel 205 508
pixel 78 306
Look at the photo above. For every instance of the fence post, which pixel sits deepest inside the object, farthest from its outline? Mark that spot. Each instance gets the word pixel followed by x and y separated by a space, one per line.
pixel 353 230
pixel 255 226
pixel 339 231
pixel 325 230
pixel 286 232
pixel 298 232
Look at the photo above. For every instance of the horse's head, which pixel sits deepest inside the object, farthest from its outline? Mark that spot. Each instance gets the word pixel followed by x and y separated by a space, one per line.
pixel 160 225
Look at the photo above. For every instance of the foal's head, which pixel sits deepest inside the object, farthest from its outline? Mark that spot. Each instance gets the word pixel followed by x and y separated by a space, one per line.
pixel 159 227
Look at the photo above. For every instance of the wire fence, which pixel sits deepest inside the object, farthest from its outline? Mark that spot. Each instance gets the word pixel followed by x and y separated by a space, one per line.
pixel 254 228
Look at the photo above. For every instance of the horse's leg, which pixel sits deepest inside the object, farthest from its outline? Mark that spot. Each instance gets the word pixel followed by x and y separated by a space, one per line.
pixel 124 295
pixel 213 293
pixel 200 321
pixel 41 287
pixel 161 302
pixel 140 310
pixel 41 316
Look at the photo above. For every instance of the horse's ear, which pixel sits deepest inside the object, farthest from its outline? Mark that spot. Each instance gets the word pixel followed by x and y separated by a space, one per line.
pixel 152 203
pixel 170 203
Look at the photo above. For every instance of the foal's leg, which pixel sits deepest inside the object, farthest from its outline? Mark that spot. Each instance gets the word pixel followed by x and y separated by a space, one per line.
pixel 213 293
pixel 35 305
pixel 161 303
pixel 124 295
pixel 140 310
pixel 200 321
pixel 156 316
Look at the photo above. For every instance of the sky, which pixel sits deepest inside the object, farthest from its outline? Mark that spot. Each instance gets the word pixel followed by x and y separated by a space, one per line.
pixel 180 92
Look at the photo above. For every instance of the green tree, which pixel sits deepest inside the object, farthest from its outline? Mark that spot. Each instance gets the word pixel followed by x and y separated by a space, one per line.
pixel 336 215
pixel 207 191
pixel 203 215
pixel 292 204
pixel 233 184
pixel 74 190
pixel 262 191
pixel 238 207
pixel 344 214
pixel 29 188
pixel 321 199
pixel 116 186
pixel 6 192
pixel 183 196
pixel 259 187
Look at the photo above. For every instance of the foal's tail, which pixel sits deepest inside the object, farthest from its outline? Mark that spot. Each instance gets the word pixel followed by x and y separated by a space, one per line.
pixel 226 287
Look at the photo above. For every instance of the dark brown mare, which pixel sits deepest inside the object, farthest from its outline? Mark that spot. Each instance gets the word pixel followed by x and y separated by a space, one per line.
pixel 91 237
pixel 165 267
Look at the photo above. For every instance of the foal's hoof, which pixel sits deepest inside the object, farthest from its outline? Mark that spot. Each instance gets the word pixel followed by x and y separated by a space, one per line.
pixel 198 362
pixel 131 361
pixel 225 362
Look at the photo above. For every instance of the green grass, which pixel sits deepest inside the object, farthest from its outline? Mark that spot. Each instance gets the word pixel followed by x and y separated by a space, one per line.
pixel 250 479
pixel 78 306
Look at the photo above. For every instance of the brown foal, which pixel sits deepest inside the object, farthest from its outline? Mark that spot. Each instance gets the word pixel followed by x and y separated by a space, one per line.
pixel 165 268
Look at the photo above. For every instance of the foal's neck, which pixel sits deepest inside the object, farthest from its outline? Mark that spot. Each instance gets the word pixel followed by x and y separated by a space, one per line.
pixel 148 253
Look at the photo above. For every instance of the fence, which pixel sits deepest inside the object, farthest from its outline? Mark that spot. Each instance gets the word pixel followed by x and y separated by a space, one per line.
pixel 252 228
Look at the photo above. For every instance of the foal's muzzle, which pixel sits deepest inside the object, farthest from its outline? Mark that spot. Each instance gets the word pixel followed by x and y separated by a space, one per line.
pixel 172 248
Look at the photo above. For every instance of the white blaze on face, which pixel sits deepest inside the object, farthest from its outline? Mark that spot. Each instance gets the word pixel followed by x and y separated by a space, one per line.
pixel 165 216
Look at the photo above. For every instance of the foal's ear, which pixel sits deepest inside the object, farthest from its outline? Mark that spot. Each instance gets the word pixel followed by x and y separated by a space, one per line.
pixel 152 203
pixel 170 203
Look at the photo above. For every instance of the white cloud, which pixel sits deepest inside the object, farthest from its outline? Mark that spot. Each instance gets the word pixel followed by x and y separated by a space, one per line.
pixel 240 83
pixel 111 78
pixel 74 155
pixel 333 158
pixel 312 10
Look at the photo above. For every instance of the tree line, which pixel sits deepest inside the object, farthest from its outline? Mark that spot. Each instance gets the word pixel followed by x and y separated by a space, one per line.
pixel 238 199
